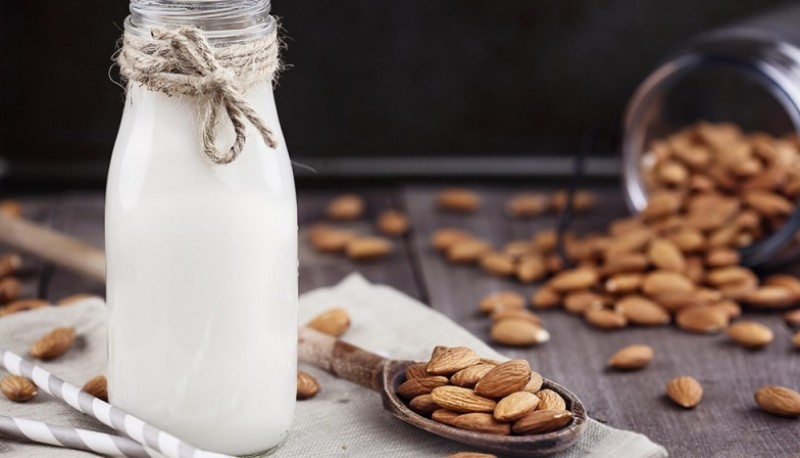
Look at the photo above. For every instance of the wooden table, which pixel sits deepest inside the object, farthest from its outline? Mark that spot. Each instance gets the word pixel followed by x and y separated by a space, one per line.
pixel 726 424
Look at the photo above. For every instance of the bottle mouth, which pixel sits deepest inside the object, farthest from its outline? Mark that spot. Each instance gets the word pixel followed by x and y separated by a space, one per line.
pixel 658 108
pixel 221 20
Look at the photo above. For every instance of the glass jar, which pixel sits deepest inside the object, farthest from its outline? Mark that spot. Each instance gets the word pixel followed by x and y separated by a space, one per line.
pixel 202 257
pixel 747 74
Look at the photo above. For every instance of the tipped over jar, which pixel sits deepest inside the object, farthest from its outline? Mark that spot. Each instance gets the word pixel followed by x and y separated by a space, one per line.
pixel 201 229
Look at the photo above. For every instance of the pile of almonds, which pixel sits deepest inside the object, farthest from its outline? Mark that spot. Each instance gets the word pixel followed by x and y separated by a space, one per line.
pixel 458 388
pixel 327 238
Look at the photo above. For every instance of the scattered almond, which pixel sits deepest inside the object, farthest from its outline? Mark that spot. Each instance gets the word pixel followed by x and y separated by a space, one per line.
pixel 515 314
pixel 327 239
pixel 666 255
pixel 17 388
pixel 771 297
pixel 685 391
pixel 307 385
pixel 468 250
pixel 445 238
pixel 778 400
pixel 639 310
pixel 346 208
pixel 632 357
pixel 498 264
pixel 573 280
pixel 527 205
pixel 97 387
pixel 393 223
pixel 605 319
pixel 518 333
pixel 502 300
pixel 334 322
pixel 545 298
pixel 702 319
pixel 53 344
pixel 750 334
pixel 368 247
pixel 458 200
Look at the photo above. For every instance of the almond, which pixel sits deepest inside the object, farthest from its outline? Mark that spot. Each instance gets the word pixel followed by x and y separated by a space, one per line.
pixel 393 223
pixel 628 242
pixel 471 455
pixel 527 205
pixel 750 334
pixel 11 208
pixel 97 387
pixel 722 257
pixel 768 203
pixel 575 279
pixel 581 201
pixel 17 388
pixel 449 360
pixel 771 297
pixel 498 264
pixel 792 318
pixel 796 340
pixel 624 283
pixel 535 383
pixel 789 282
pixel 482 423
pixel 327 239
pixel 688 239
pixel 662 281
pixel 418 386
pixel 578 302
pixel 639 310
pixel 458 200
pixel 444 416
pixel 632 357
pixel 730 308
pixel 729 275
pixel 542 421
pixel 307 385
pixel 545 241
pixel 531 268
pixel 334 322
pixel 445 238
pixel 519 248
pixel 517 315
pixel 53 344
pixel 518 333
pixel 504 379
pixel 502 300
pixel 702 319
pixel 546 298
pixel 685 391
pixel 550 400
pixel 22 305
pixel 605 319
pixel 662 203
pixel 515 406
pixel 9 264
pixel 368 247
pixel 469 376
pixel 417 370
pixel 462 400
pixel 468 251
pixel 10 289
pixel 423 405
pixel 778 400
pixel 346 208
pixel 678 300
pixel 666 255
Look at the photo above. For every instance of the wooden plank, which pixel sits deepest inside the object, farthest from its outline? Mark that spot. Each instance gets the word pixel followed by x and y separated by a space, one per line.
pixel 727 423
pixel 81 215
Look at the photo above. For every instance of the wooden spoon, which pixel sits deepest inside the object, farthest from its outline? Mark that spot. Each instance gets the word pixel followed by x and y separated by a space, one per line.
pixel 385 375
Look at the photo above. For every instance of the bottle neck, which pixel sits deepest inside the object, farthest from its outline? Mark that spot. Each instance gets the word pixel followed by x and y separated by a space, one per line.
pixel 223 21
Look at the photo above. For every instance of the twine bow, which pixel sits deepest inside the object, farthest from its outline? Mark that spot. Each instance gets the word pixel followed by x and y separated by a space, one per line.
pixel 181 61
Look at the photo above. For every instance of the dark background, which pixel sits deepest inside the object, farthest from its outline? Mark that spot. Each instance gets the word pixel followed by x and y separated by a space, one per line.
pixel 369 80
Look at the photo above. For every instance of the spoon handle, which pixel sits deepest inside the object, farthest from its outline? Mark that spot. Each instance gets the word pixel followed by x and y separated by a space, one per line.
pixel 340 358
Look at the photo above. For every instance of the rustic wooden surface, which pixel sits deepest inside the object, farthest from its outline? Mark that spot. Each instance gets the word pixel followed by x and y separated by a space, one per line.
pixel 726 424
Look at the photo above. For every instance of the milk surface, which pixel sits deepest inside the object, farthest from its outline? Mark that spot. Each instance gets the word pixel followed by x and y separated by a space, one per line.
pixel 201 278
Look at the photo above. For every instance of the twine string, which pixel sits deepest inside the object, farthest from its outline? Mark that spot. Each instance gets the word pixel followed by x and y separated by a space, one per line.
pixel 181 61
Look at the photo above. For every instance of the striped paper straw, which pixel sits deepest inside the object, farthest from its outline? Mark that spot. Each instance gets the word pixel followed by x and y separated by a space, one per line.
pixel 72 438
pixel 141 432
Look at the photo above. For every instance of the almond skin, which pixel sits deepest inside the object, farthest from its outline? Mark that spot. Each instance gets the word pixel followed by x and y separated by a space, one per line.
pixel 545 298
pixel 462 400
pixel 482 423
pixel 550 400
pixel 449 360
pixel 771 296
pixel 444 416
pixel 504 379
pixel 750 334
pixel 685 391
pixel 97 387
pixel 17 388
pixel 53 344
pixel 307 385
pixel 515 406
pixel 542 421
pixel 334 322
pixel 578 302
pixel 702 319
pixel 417 370
pixel 778 400
pixel 535 383
pixel 419 386
pixel 639 310
pixel 605 319
pixel 423 405
pixel 666 255
pixel 632 357
pixel 531 268
pixel 663 281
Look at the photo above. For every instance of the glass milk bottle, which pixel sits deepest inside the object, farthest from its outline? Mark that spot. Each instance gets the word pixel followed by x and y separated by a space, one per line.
pixel 201 229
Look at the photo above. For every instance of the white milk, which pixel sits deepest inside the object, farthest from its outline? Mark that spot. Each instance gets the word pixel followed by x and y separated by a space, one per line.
pixel 202 277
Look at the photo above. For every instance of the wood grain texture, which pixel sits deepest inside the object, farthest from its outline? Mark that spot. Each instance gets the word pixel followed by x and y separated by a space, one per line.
pixel 725 424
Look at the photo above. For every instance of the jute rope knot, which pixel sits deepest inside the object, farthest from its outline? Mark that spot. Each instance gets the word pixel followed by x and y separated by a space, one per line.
pixel 181 61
